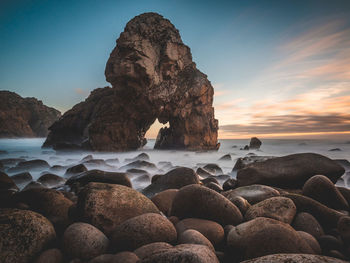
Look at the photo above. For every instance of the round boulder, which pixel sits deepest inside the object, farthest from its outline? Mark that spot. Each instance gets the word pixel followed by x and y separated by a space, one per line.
pixel 280 208
pixel 52 255
pixel 164 200
pixel 51 180
pixel 344 228
pixel 150 249
pixel 23 235
pixel 141 230
pixel 307 223
pixel 108 205
pixel 294 258
pixel 192 236
pixel 201 202
pixel 84 241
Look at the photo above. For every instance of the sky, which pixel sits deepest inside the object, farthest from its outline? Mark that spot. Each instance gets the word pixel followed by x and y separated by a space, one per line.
pixel 280 69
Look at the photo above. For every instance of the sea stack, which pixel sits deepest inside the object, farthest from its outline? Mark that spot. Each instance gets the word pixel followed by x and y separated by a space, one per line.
pixel 153 77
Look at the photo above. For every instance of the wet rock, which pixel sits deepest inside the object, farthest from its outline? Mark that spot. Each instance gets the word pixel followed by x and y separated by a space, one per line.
pixel 76 169
pixel 203 173
pixel 8 162
pixel 141 230
pixel 184 253
pixel 141 156
pixel 252 193
pixel 88 157
pixel 57 168
pixel 328 242
pixel 254 143
pixel 210 229
pixel 188 203
pixel 22 178
pixel 24 117
pixel 173 179
pixel 23 235
pixel 84 241
pixel 213 168
pixel 290 171
pixel 244 162
pixel 108 205
pixel 137 171
pixel 242 204
pixel 52 255
pixel 214 186
pixel 33 185
pixel 112 161
pixel 322 189
pixel 307 223
pixel 326 216
pixel 344 228
pixel 294 258
pixel 312 242
pixel 263 236
pixel 29 165
pixel 96 162
pixel 229 184
pixel 7 183
pixel 152 248
pixel 51 180
pixel 335 254
pixel 279 208
pixel 192 236
pixel 210 179
pixel 99 176
pixel 335 150
pixel 226 157
pixel 164 200
pixel 139 164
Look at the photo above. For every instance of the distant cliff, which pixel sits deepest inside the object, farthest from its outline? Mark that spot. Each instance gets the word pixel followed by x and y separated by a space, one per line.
pixel 24 117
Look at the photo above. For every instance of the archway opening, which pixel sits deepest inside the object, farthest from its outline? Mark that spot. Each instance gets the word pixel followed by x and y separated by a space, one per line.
pixel 152 132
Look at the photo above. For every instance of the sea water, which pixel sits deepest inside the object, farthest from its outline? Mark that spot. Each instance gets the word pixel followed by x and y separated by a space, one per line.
pixel 30 149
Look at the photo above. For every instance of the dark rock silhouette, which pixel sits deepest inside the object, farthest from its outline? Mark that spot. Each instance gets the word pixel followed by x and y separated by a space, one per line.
pixel 24 117
pixel 153 77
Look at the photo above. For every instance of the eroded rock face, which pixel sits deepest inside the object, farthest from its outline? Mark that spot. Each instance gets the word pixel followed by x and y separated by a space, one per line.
pixel 24 117
pixel 153 77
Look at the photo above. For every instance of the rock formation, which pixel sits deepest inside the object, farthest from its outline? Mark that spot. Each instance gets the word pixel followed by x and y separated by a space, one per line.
pixel 24 117
pixel 153 77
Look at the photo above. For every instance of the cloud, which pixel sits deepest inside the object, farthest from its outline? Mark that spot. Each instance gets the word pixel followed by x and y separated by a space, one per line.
pixel 81 92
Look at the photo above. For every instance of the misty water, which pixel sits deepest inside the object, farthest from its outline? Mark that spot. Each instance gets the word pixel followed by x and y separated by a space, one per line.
pixel 30 149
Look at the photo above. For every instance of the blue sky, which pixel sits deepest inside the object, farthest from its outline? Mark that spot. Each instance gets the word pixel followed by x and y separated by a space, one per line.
pixel 279 68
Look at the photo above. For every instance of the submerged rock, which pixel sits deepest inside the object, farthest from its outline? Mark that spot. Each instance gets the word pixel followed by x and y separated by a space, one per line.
pixel 289 171
pixel 51 180
pixel 151 67
pixel 254 143
pixel 24 117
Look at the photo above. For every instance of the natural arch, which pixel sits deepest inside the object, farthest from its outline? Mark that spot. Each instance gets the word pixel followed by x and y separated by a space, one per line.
pixel 152 77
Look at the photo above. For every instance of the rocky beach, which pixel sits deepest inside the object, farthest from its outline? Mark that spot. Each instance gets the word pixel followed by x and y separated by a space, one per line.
pixel 90 188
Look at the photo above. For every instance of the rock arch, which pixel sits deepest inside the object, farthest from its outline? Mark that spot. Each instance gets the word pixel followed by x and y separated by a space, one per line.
pixel 152 76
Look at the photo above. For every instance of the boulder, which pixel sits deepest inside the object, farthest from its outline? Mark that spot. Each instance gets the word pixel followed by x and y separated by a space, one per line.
pixel 99 176
pixel 184 253
pixel 213 168
pixel 22 178
pixel 263 236
pixel 307 223
pixel 210 229
pixel 344 229
pixel 280 208
pixel 290 171
pixel 33 185
pixel 226 157
pixel 24 117
pixel 151 67
pixel 192 236
pixel 142 230
pixel 51 180
pixel 52 255
pixel 164 200
pixel 312 242
pixel 322 189
pixel 141 156
pixel 242 204
pixel 174 179
pixel 229 184
pixel 84 241
pixel 139 164
pixel 329 242
pixel 254 143
pixel 252 193
pixel 201 202
pixel 76 169
pixel 244 162
pixel 294 258
pixel 30 165
pixel 23 235
pixel 108 205
pixel 150 249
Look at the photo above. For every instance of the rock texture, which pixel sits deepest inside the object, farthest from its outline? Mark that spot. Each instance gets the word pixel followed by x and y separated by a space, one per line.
pixel 24 117
pixel 153 69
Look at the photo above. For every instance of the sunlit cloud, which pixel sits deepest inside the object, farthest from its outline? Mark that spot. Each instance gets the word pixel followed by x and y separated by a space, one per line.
pixel 81 92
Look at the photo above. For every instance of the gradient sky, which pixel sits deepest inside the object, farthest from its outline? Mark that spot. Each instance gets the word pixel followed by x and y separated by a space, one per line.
pixel 280 69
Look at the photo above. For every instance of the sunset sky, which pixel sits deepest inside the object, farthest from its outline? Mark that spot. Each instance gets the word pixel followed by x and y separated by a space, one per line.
pixel 280 69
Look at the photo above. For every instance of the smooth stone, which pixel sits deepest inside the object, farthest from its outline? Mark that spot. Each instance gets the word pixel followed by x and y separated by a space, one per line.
pixel 7 183
pixel 189 201
pixel 126 257
pixel 254 143
pixel 214 186
pixel 174 179
pixel 329 242
pixel 141 156
pixel 76 169
pixel 192 236
pixel 84 241
pixel 204 173
pixel 253 193
pixel 51 180
pixel 33 185
pixel 191 253
pixel 23 235
pixel 312 241
pixel 290 171
pixel 52 255
pixel 31 165
pixel 263 236
pixel 229 184
pixel 210 179
pixel 344 228
pixel 226 157
pixel 164 200
pixel 150 249
pixel 243 162
pixel 210 229
pixel 323 190
pixel 108 205
pixel 308 223
pixel 213 168
pixel 22 178
pixel 139 164
pixel 242 204
pixel 280 208
pixel 294 258
pixel 142 230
